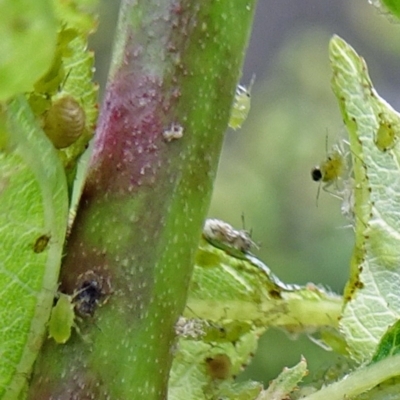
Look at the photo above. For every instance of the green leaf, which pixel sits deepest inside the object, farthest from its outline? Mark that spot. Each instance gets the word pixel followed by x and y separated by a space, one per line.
pixel 238 298
pixel 390 343
pixel 372 296
pixel 388 390
pixel 33 216
pixel 28 34
pixel 286 382
pixel 77 14
pixel 393 6
pixel 226 285
pixel 360 382
pixel 70 77
pixel 204 370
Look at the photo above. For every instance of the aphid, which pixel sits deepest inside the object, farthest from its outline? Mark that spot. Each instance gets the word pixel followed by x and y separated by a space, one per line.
pixel 241 105
pixel 41 243
pixel 228 332
pixel 92 292
pixel 330 169
pixel 219 366
pixel 386 137
pixel 219 231
pixel 62 319
pixel 64 122
pixel 336 169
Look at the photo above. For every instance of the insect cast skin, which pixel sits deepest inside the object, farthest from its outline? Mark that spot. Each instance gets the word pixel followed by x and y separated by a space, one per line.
pixel 222 232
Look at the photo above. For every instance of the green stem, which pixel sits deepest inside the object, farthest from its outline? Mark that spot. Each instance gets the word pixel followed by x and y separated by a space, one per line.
pixel 174 73
pixel 359 381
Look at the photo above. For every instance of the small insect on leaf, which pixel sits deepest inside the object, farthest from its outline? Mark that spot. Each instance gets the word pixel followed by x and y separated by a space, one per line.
pixel 332 168
pixel 219 366
pixel 241 105
pixel 41 243
pixel 64 122
pixel 337 170
pixel 62 319
pixel 386 137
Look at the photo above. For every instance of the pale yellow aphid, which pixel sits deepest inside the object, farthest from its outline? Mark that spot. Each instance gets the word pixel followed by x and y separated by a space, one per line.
pixel 64 122
pixel 336 170
pixel 330 170
pixel 241 105
pixel 333 168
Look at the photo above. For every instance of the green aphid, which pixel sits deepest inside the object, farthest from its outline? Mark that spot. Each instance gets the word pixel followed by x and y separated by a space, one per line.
pixel 92 292
pixel 62 319
pixel 241 105
pixel 386 135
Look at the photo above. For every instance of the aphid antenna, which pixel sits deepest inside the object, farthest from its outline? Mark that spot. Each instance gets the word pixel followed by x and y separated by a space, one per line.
pixel 251 83
pixel 326 143
pixel 193 312
pixel 249 232
pixel 62 84
pixel 242 217
pixel 318 192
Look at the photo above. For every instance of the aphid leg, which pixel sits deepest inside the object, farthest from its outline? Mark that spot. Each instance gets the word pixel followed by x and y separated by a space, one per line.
pixel 318 192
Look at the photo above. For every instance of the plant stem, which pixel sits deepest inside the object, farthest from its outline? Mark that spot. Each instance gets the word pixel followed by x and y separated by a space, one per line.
pixel 175 68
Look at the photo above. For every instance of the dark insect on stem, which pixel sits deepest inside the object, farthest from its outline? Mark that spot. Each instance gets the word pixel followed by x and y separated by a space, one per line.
pixel 92 291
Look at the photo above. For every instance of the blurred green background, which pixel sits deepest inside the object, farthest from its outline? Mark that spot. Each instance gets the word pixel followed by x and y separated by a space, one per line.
pixel 264 171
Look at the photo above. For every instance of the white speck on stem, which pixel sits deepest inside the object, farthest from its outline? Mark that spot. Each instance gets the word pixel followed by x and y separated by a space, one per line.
pixel 175 131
